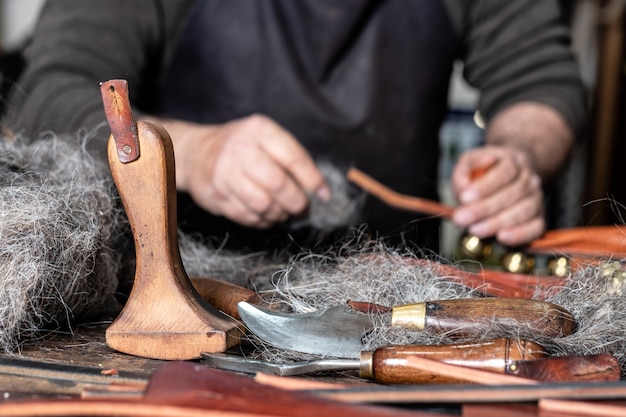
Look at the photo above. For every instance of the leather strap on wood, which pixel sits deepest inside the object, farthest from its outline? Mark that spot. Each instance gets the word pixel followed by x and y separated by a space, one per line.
pixel 120 117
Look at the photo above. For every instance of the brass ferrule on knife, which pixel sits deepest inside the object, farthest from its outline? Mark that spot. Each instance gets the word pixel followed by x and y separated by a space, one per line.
pixel 366 364
pixel 410 316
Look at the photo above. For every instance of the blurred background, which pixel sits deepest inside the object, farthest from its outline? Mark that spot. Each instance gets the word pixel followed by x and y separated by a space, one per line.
pixel 592 191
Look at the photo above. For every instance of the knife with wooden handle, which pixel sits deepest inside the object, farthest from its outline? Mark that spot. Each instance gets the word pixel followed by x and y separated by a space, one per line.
pixel 390 365
pixel 338 331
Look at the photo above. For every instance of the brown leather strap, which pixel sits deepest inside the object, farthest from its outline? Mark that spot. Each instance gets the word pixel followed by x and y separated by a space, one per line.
pixel 120 117
pixel 599 241
pixel 394 199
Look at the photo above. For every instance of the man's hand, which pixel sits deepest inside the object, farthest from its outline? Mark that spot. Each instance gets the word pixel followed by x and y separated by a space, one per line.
pixel 527 143
pixel 505 202
pixel 250 170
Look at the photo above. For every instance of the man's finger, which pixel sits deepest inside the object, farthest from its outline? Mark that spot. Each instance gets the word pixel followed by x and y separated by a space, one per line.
pixel 294 158
pixel 523 234
pixel 278 185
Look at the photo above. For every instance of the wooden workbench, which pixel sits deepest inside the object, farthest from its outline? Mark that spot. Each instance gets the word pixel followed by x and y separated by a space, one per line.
pixel 68 365
pixel 63 364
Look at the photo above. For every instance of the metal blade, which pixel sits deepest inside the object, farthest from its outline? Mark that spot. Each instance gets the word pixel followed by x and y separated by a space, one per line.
pixel 336 331
pixel 252 366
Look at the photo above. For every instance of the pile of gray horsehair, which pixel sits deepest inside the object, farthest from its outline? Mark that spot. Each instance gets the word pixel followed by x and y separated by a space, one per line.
pixel 60 234
pixel 63 235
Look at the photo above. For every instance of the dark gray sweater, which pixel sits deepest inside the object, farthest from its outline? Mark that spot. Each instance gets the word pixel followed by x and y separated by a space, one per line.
pixel 513 51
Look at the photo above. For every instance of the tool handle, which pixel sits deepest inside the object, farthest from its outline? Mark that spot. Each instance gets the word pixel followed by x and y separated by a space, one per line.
pixel 224 295
pixel 472 317
pixel 591 368
pixel 389 364
pixel 146 185
pixel 164 317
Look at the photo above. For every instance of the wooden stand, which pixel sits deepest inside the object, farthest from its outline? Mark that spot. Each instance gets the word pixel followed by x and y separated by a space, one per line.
pixel 164 317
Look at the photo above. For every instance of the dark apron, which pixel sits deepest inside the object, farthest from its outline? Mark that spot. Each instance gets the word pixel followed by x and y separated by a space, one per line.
pixel 359 83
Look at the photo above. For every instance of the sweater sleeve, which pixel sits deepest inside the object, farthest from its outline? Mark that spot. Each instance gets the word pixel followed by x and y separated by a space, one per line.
pixel 78 44
pixel 519 51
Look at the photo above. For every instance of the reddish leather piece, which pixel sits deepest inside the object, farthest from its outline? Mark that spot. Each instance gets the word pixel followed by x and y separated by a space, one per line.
pixel 120 117
pixel 178 383
pixel 598 241
pixel 500 283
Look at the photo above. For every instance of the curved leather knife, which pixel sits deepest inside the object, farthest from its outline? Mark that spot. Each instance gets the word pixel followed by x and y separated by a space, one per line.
pixel 338 331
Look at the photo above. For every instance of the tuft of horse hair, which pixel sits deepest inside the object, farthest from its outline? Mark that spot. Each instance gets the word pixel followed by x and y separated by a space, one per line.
pixel 343 210
pixel 61 236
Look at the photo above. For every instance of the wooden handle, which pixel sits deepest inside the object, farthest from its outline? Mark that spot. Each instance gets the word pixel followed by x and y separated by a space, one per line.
pixel 224 295
pixel 471 317
pixel 521 358
pixel 590 368
pixel 389 364
pixel 164 317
